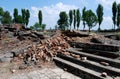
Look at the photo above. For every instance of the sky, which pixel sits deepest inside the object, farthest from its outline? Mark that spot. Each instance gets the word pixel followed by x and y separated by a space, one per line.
pixel 52 8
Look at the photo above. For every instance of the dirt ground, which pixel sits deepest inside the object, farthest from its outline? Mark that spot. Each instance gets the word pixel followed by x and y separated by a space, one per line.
pixel 12 69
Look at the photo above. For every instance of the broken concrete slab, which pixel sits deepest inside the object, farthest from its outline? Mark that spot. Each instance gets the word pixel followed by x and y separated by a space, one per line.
pixel 102 47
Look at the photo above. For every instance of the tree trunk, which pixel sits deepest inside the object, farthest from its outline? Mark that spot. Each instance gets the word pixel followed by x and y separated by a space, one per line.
pixel 99 28
pixel 77 28
pixel 74 27
pixel 70 27
pixel 84 26
pixel 114 26
pixel 89 29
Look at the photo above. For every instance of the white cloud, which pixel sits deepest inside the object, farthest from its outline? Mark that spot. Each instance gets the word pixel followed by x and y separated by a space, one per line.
pixel 50 13
pixel 107 3
pixel 107 23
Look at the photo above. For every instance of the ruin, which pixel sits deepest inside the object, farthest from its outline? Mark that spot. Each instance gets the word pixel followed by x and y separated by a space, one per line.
pixel 89 56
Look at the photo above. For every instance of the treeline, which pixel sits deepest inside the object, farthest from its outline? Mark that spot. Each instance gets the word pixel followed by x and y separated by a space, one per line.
pixel 74 17
pixel 65 21
pixel 5 17
pixel 88 17
pixel 116 15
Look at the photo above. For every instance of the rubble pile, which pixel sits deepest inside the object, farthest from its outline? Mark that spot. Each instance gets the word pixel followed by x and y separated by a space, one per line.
pixel 30 35
pixel 57 43
pixel 17 30
pixel 46 49
pixel 104 40
pixel 14 36
pixel 28 46
pixel 91 38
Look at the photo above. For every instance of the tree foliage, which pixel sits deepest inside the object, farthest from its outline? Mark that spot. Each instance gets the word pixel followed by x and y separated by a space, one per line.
pixel 15 14
pixel 84 17
pixel 40 17
pixel 6 19
pixel 114 11
pixel 99 12
pixel 70 18
pixel 1 13
pixel 78 18
pixel 38 27
pixel 27 16
pixel 63 21
pixel 23 16
pixel 43 26
pixel 118 15
pixel 23 19
pixel 75 18
pixel 91 19
pixel 19 19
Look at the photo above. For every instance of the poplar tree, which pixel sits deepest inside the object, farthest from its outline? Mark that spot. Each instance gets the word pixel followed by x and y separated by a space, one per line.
pixel 99 12
pixel 78 18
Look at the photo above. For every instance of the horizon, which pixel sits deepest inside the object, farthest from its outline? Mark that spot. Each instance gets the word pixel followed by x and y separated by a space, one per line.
pixel 51 10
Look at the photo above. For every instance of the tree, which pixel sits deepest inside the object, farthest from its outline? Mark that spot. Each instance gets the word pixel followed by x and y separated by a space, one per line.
pixel 19 19
pixel 40 17
pixel 15 14
pixel 118 16
pixel 99 12
pixel 78 18
pixel 56 27
pixel 43 26
pixel 27 17
pixel 37 26
pixel 6 19
pixel 84 17
pixel 1 13
pixel 74 14
pixel 70 18
pixel 114 11
pixel 32 27
pixel 63 21
pixel 91 19
pixel 23 16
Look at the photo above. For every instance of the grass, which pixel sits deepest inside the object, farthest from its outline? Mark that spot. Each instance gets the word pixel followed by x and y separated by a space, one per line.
pixel 118 33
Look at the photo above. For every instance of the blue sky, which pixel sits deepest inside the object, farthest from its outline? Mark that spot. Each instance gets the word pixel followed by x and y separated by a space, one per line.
pixel 51 9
